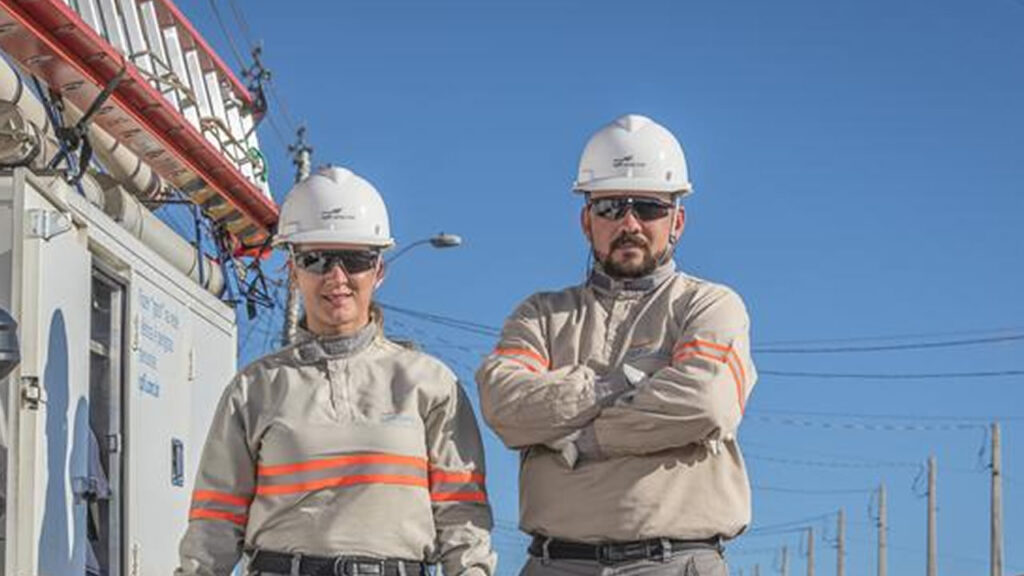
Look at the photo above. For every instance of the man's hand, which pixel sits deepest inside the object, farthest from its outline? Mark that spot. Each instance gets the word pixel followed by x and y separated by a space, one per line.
pixel 617 383
pixel 567 448
pixel 582 442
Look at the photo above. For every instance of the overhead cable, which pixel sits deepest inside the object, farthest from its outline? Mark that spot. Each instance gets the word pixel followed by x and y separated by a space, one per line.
pixel 888 347
pixel 893 376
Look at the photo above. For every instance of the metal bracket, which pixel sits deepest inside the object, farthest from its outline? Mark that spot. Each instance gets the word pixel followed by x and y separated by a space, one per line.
pixel 31 393
pixel 75 139
pixel 113 443
pixel 47 224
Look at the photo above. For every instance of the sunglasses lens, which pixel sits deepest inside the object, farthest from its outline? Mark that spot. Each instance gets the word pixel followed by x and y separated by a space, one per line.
pixel 609 208
pixel 616 208
pixel 357 262
pixel 650 210
pixel 351 261
pixel 313 262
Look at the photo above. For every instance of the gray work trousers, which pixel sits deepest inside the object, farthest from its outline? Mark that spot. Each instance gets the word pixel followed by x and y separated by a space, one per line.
pixel 686 563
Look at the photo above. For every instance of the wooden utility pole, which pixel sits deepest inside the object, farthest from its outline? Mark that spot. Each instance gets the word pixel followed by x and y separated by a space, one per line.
pixel 810 551
pixel 301 153
pixel 933 565
pixel 996 558
pixel 841 544
pixel 882 527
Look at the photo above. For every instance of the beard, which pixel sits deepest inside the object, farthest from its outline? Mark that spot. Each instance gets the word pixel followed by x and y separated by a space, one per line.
pixel 629 268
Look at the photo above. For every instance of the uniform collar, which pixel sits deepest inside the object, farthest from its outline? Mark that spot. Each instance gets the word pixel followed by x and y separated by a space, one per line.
pixel 601 282
pixel 312 348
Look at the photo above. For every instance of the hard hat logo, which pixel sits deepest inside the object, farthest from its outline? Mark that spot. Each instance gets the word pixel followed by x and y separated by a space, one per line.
pixel 337 214
pixel 627 162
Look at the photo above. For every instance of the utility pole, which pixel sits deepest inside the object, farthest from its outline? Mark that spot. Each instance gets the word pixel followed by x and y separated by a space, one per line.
pixel 757 570
pixel 841 544
pixel 810 551
pixel 997 504
pixel 882 527
pixel 933 565
pixel 301 153
pixel 785 560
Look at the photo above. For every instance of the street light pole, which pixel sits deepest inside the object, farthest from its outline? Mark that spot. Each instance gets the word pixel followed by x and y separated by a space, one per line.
pixel 440 240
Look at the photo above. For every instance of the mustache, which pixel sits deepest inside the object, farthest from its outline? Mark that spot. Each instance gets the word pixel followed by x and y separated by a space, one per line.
pixel 629 241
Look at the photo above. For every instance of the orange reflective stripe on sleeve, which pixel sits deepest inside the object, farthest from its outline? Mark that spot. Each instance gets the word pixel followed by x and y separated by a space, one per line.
pixel 222 497
pixel 729 357
pixel 457 486
pixel 206 514
pixel 467 496
pixel 438 477
pixel 517 355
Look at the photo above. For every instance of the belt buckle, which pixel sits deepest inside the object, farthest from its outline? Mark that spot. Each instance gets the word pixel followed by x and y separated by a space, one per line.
pixel 358 566
pixel 621 552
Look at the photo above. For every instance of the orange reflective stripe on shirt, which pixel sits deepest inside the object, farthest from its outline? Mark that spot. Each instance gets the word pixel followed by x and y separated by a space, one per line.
pixel 222 497
pixel 457 486
pixel 339 481
pixel 439 477
pixel 468 496
pixel 342 461
pixel 697 347
pixel 206 514
pixel 516 354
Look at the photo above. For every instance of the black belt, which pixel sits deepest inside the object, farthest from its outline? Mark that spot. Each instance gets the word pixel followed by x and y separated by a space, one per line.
pixel 616 552
pixel 281 563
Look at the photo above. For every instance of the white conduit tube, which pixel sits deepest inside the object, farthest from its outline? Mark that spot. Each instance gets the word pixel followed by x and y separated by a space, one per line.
pixel 24 125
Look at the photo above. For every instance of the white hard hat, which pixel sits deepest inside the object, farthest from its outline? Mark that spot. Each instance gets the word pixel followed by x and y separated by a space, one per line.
pixel 633 153
pixel 334 205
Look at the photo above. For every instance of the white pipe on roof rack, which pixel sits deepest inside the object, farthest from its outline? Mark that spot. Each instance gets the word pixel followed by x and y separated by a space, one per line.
pixel 24 125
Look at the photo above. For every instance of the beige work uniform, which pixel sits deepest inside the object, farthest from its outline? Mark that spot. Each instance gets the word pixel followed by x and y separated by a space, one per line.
pixel 659 460
pixel 342 446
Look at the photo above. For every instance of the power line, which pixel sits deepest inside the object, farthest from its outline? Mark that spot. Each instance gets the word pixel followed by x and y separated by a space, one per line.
pixel 904 417
pixel 227 35
pixel 791 525
pixel 281 104
pixel 243 25
pixel 871 427
pixel 811 490
pixel 455 323
pixel 277 132
pixel 834 463
pixel 895 337
pixel 889 376
pixel 773 349
pixel 890 347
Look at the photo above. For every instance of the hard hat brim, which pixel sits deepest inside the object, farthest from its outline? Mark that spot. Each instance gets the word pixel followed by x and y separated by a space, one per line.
pixel 332 237
pixel 626 184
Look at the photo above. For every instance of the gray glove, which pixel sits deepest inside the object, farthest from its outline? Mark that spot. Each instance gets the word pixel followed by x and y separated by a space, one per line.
pixel 609 388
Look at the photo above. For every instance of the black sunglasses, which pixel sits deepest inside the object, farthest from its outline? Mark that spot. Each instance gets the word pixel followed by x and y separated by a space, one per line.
pixel 615 208
pixel 323 261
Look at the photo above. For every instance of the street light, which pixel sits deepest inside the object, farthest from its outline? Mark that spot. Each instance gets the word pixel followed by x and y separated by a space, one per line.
pixel 440 240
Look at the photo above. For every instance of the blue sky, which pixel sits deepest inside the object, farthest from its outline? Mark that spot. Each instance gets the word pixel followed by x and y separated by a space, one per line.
pixel 858 172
